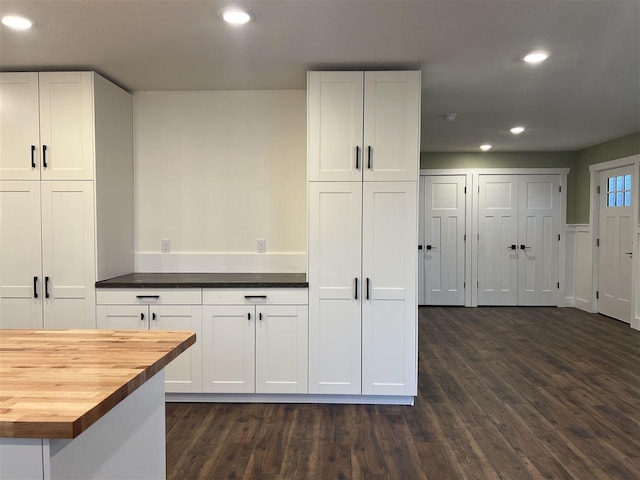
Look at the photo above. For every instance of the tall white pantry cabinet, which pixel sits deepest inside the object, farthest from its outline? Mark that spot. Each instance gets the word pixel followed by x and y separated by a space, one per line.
pixel 66 195
pixel 363 162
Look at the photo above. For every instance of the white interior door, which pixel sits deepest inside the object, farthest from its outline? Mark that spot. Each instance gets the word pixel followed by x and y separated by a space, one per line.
pixel 538 237
pixel 497 239
pixel 614 277
pixel 228 338
pixel 68 254
pixel 335 126
pixel 391 126
pixel 21 288
pixel 389 274
pixel 444 244
pixel 19 126
pixel 335 287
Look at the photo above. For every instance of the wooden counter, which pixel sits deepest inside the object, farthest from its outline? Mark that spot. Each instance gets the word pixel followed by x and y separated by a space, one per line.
pixel 57 383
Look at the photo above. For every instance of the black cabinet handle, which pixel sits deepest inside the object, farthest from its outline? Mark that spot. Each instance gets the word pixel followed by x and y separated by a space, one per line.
pixel 419 247
pixel 355 291
pixel 369 157
pixel 35 287
pixel 153 316
pixel 260 315
pixel 33 156
pixel 513 247
pixel 367 288
pixel 429 247
pixel 255 296
pixel 357 157
pixel 44 156
pixel 142 316
pixel 248 316
pixel 46 287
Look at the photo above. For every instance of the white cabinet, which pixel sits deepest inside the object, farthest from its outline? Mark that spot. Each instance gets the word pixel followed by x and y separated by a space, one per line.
pixel 143 309
pixel 47 255
pixel 62 227
pixel 363 154
pixel 252 345
pixel 363 125
pixel 46 125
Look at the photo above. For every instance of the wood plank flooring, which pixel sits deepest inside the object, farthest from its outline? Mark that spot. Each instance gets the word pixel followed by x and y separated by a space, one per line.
pixel 504 393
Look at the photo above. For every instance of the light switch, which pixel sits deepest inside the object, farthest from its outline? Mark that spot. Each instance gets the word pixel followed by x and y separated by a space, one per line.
pixel 261 245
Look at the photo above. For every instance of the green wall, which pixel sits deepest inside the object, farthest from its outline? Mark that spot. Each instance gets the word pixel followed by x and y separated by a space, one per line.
pixel 618 148
pixel 510 160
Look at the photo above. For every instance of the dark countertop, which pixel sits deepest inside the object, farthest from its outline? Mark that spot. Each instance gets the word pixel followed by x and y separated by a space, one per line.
pixel 206 280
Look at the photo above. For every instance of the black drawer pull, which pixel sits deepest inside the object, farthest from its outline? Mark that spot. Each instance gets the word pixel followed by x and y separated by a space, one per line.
pixel 147 296
pixel 35 287
pixel 46 287
pixel 33 156
pixel 255 296
pixel 44 156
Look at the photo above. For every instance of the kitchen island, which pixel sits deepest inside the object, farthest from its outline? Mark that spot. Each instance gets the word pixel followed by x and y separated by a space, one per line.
pixel 86 404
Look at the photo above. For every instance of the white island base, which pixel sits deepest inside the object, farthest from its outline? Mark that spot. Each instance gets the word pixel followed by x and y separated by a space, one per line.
pixel 128 442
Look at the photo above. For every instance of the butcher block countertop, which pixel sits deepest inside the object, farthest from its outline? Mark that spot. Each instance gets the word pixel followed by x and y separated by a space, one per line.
pixel 57 383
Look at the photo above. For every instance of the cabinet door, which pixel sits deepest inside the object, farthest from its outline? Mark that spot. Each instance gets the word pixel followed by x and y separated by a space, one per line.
pixel 334 103
pixel 68 258
pixel 228 343
pixel 389 273
pixel 335 214
pixel 122 317
pixel 391 126
pixel 20 255
pixel 66 125
pixel 498 240
pixel 282 349
pixel 184 374
pixel 19 127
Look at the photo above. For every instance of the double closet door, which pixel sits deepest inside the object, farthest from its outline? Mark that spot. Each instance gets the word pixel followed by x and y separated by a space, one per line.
pixel 518 239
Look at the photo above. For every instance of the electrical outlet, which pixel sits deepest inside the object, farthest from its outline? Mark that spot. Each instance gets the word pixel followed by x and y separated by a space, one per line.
pixel 166 246
pixel 261 245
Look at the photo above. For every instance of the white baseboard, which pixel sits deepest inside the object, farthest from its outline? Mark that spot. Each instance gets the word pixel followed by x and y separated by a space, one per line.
pixel 583 304
pixel 197 262
pixel 291 398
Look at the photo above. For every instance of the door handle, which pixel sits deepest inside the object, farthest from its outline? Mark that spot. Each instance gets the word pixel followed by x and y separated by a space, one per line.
pixel 524 247
pixel 33 156
pixel 629 253
pixel 512 247
pixel 430 247
pixel 44 156
pixel 46 287
pixel 35 287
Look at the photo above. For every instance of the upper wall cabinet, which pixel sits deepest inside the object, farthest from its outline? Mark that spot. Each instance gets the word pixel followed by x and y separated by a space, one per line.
pixel 46 126
pixel 363 126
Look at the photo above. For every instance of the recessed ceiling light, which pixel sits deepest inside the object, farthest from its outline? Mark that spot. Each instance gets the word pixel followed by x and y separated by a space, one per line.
pixel 485 148
pixel 517 130
pixel 16 22
pixel 536 57
pixel 235 16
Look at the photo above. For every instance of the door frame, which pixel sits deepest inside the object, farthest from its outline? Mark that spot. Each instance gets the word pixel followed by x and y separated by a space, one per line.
pixel 595 172
pixel 472 212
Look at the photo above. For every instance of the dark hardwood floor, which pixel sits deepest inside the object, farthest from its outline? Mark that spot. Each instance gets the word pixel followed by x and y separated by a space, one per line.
pixel 504 393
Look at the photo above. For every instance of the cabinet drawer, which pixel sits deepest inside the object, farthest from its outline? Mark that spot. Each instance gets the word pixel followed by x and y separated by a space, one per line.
pixel 149 296
pixel 255 296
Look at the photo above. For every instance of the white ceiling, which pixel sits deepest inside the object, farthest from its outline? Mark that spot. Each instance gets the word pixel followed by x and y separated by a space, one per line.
pixel 586 93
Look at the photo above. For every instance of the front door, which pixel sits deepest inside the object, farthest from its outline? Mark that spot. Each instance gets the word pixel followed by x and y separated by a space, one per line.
pixel 614 278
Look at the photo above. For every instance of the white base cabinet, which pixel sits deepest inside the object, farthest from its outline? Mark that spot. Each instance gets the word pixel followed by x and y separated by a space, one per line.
pixel 149 310
pixel 252 343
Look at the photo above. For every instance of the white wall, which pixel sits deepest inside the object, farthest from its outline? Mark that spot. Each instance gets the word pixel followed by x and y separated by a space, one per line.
pixel 216 170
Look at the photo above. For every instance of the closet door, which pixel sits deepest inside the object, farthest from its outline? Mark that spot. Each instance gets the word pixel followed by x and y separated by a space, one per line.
pixel 498 240
pixel 538 242
pixel 389 275
pixel 68 254
pixel 334 126
pixel 444 239
pixel 391 126
pixel 21 288
pixel 335 287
